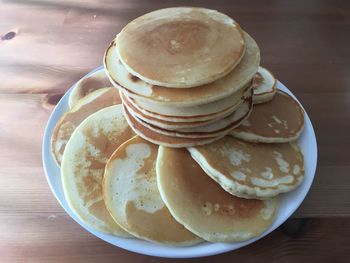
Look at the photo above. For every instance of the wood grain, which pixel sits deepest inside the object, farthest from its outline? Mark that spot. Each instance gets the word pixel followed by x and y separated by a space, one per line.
pixel 54 43
pixel 41 242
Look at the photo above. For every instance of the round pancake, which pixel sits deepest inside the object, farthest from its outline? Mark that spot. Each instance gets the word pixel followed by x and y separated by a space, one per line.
pixel 264 84
pixel 131 195
pixel 249 170
pixel 179 123
pixel 280 120
pixel 161 139
pixel 181 47
pixel 220 127
pixel 169 112
pixel 83 164
pixel 237 79
pixel 202 206
pixel 96 80
pixel 89 104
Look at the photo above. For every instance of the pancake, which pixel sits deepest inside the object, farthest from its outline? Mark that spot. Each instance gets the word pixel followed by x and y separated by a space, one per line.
pixel 202 206
pixel 134 87
pixel 131 195
pixel 280 120
pixel 220 127
pixel 95 81
pixel 161 139
pixel 83 164
pixel 181 47
pixel 171 125
pixel 248 170
pixel 264 84
pixel 89 104
pixel 173 113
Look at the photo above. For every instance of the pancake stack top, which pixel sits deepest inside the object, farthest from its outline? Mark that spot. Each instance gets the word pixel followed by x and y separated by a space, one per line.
pixel 184 75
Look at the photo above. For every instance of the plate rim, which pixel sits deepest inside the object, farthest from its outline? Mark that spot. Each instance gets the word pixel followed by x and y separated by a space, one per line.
pixel 166 251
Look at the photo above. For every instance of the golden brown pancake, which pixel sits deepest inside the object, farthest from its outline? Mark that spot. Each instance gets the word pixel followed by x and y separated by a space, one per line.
pixel 202 206
pixel 218 128
pixel 171 125
pixel 89 104
pixel 85 86
pixel 249 170
pixel 181 47
pixel 162 139
pixel 280 120
pixel 238 79
pixel 174 113
pixel 264 84
pixel 132 197
pixel 83 164
pixel 176 122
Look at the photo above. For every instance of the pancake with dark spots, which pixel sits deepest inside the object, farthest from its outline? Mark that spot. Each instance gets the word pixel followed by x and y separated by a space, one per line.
pixel 83 163
pixel 133 78
pixel 202 206
pixel 279 120
pixel 131 195
pixel 89 104
pixel 264 85
pixel 251 170
pixel 85 86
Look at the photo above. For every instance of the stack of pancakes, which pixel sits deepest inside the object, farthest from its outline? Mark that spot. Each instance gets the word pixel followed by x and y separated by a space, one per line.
pixel 184 75
pixel 186 78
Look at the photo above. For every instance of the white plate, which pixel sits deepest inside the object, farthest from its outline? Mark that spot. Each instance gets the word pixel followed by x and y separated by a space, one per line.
pixel 289 202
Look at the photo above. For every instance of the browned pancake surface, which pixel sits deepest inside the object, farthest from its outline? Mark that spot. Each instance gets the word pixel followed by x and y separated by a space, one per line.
pixel 199 203
pixel 132 197
pixel 282 117
pixel 181 47
pixel 71 119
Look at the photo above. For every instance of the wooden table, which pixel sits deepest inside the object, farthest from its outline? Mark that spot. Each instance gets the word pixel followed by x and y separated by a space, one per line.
pixel 48 45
